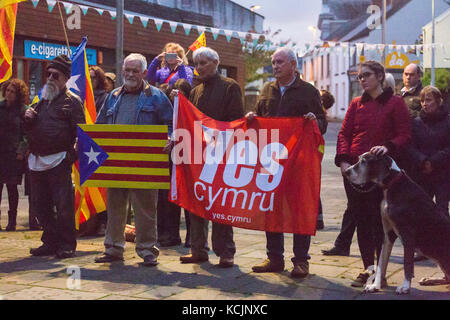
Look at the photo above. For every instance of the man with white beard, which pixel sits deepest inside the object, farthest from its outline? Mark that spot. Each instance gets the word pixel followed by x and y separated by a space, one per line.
pixel 51 129
pixel 135 103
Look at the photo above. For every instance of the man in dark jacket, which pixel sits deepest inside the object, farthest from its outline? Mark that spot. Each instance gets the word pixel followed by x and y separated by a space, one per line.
pixel 51 128
pixel 412 88
pixel 221 99
pixel 288 96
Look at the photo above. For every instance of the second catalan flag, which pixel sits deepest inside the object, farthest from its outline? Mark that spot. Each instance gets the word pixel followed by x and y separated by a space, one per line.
pixel 123 156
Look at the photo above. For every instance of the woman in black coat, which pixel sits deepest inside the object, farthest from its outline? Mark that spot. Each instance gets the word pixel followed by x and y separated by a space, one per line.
pixel 429 151
pixel 12 143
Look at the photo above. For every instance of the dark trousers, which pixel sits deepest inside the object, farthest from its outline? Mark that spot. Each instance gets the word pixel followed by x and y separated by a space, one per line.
pixel 13 196
pixel 275 247
pixel 168 218
pixel 365 208
pixel 348 227
pixel 221 237
pixel 53 189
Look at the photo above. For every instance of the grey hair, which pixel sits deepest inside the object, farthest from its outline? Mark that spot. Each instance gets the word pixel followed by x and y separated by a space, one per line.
pixel 137 57
pixel 209 53
pixel 289 52
pixel 389 81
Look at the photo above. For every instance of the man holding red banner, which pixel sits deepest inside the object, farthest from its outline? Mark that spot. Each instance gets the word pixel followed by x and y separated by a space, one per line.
pixel 288 96
pixel 51 128
pixel 219 98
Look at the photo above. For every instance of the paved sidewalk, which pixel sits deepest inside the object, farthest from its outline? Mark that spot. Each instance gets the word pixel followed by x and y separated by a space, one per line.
pixel 25 277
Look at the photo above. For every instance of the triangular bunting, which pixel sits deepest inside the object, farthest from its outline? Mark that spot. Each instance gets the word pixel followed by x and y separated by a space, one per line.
pixel 158 23
pixel 84 9
pixel 187 28
pixel 215 33
pixel 35 2
pixel 100 11
pixel 67 7
pixel 144 21
pixel 51 5
pixel 130 18
pixel 113 14
pixel 173 26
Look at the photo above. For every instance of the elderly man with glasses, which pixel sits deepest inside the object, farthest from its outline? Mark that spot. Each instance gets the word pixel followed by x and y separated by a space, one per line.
pixel 51 127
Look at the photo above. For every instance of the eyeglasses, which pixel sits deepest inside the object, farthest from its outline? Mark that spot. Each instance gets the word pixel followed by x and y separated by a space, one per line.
pixel 54 75
pixel 364 75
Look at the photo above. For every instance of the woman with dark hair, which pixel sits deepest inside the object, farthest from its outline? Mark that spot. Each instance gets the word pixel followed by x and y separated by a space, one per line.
pixel 98 81
pixel 429 152
pixel 169 66
pixel 378 122
pixel 12 143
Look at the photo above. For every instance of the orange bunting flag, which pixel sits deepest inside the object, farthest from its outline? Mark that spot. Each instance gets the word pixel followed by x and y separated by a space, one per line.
pixel 200 42
pixel 8 12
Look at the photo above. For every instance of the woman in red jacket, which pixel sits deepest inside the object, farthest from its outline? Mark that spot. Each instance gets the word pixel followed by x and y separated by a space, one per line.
pixel 378 122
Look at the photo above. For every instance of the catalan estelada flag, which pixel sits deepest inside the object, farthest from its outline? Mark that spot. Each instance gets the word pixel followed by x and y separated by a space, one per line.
pixel 123 156
pixel 88 201
pixel 200 42
pixel 8 12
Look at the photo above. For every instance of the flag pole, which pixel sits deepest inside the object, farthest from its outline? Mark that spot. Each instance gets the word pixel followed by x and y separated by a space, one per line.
pixel 64 28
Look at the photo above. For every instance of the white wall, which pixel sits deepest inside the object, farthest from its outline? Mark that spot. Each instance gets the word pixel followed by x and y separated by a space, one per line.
pixel 442 35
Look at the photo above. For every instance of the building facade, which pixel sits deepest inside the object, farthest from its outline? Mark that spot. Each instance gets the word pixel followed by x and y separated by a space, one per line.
pixel 39 36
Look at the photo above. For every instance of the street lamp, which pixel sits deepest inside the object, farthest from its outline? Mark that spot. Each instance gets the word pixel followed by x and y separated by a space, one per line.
pixel 314 30
pixel 254 8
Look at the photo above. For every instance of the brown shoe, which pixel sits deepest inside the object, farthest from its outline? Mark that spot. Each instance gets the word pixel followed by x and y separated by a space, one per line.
pixel 269 266
pixel 226 262
pixel 193 258
pixel 301 269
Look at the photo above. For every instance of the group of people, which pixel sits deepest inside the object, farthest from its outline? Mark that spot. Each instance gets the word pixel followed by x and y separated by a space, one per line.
pixel 413 128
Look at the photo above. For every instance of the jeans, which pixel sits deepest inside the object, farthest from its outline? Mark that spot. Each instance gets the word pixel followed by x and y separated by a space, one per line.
pixel 275 247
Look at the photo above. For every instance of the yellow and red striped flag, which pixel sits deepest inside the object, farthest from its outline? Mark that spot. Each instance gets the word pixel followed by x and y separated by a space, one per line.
pixel 200 42
pixel 8 12
pixel 88 201
pixel 123 156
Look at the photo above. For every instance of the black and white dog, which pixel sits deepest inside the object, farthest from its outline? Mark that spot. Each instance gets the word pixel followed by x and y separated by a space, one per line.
pixel 407 212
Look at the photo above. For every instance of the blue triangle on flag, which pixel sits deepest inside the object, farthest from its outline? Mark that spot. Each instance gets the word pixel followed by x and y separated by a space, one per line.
pixel 90 155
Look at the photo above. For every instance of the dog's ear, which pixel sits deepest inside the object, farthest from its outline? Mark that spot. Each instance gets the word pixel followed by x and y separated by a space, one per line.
pixel 387 160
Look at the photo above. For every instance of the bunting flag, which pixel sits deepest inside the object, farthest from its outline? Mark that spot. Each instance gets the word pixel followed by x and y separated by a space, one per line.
pixel 262 175
pixel 200 42
pixel 88 201
pixel 8 12
pixel 123 156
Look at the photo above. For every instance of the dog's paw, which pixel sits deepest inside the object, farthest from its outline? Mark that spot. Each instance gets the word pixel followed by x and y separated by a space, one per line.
pixel 371 288
pixel 405 288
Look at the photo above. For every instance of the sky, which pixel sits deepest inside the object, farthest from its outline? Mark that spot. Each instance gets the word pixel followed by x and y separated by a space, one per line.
pixel 291 16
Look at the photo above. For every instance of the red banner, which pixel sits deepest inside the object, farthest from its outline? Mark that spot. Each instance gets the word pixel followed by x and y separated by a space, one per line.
pixel 260 175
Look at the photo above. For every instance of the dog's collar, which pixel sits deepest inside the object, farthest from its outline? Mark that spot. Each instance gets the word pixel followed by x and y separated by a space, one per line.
pixel 392 178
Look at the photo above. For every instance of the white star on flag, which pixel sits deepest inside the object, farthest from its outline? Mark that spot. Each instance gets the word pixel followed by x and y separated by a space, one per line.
pixel 92 155
pixel 72 83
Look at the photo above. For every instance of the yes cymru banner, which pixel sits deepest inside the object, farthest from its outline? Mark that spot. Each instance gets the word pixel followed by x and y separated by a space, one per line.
pixel 260 175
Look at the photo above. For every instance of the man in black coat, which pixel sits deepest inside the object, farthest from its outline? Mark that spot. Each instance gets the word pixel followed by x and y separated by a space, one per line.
pixel 51 128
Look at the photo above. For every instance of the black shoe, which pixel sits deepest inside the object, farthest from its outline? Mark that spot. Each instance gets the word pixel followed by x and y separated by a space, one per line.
pixel 320 225
pixel 42 251
pixel 150 261
pixel 11 227
pixel 107 258
pixel 336 252
pixel 64 254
